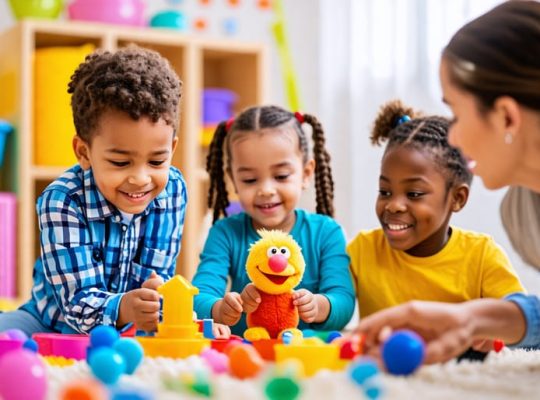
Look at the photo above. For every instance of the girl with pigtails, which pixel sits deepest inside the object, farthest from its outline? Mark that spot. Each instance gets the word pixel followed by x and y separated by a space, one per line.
pixel 264 152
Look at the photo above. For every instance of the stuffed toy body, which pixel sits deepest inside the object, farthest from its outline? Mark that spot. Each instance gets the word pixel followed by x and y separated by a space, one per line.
pixel 275 265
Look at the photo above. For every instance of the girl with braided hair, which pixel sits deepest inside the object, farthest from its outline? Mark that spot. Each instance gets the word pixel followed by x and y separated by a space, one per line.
pixel 264 152
pixel 416 254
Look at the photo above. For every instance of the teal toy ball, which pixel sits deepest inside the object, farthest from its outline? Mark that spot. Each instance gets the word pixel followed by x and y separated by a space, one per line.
pixel 403 352
pixel 169 19
pixel 282 388
pixel 107 365
pixel 362 369
pixel 131 351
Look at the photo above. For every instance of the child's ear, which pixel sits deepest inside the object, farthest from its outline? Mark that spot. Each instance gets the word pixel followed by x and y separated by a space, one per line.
pixel 82 151
pixel 460 195
pixel 309 169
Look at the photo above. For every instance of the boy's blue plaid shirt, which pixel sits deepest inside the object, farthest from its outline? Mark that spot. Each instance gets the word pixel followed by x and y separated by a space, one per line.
pixel 90 256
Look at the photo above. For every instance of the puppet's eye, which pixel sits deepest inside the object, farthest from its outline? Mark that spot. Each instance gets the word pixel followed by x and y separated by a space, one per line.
pixel 285 252
pixel 272 251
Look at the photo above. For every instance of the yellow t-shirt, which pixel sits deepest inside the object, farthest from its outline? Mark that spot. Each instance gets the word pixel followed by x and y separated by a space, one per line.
pixel 470 266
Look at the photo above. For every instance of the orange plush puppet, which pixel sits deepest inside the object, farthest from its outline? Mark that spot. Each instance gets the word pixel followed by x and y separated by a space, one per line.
pixel 275 265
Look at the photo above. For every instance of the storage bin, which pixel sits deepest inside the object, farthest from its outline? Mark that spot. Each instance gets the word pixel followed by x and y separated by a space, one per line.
pixel 53 123
pixel 8 237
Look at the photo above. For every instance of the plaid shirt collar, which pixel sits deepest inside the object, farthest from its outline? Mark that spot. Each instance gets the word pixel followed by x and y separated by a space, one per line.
pixel 97 207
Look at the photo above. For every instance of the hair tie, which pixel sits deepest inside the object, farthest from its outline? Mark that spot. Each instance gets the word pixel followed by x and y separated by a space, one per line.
pixel 403 119
pixel 229 123
pixel 299 117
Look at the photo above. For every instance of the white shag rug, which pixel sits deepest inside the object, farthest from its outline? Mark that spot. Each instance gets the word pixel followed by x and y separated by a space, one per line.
pixel 510 374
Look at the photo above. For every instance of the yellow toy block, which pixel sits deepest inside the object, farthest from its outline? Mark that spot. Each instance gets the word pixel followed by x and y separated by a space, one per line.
pixel 314 357
pixel 177 335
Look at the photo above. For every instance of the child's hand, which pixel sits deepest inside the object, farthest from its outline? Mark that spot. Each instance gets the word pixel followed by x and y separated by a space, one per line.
pixel 153 282
pixel 140 306
pixel 311 307
pixel 251 298
pixel 221 331
pixel 229 309
pixel 307 306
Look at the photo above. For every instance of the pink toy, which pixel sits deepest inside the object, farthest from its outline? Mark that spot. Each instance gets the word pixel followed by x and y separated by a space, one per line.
pixel 8 215
pixel 122 12
pixel 8 344
pixel 22 376
pixel 62 345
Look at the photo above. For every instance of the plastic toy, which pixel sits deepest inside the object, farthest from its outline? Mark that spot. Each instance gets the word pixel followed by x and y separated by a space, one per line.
pixel 498 345
pixel 122 12
pixel 218 104
pixel 87 389
pixel 62 345
pixel 103 336
pixel 313 354
pixel 275 265
pixel 7 344
pixel 217 361
pixel 245 361
pixel 36 8
pixel 177 335
pixel 22 376
pixel 169 19
pixel 403 352
pixel 5 130
pixel 107 365
pixel 131 351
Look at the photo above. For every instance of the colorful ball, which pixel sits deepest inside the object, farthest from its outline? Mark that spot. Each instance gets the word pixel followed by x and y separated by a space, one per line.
pixel 131 351
pixel 362 369
pixel 31 345
pixel 107 365
pixel 16 334
pixel 282 388
pixel 22 376
pixel 103 336
pixel 403 352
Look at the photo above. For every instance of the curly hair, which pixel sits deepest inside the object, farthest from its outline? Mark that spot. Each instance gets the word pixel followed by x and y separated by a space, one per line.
pixel 263 117
pixel 428 134
pixel 134 80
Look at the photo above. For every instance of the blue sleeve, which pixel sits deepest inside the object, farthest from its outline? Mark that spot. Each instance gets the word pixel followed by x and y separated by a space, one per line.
pixel 212 272
pixel 530 306
pixel 335 279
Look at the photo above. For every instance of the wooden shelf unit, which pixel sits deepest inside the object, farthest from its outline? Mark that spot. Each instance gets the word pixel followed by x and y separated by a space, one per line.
pixel 199 62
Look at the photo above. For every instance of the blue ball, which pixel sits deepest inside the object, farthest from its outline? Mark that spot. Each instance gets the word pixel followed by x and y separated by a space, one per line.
pixel 309 333
pixel 362 369
pixel 373 388
pixel 107 365
pixel 31 345
pixel 403 352
pixel 333 336
pixel 132 352
pixel 103 336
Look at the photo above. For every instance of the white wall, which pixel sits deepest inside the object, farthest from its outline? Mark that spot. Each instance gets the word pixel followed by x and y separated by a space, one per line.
pixel 303 25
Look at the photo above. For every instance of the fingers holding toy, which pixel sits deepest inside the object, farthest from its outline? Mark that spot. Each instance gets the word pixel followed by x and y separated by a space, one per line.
pixel 307 305
pixel 251 298
pixel 153 282
pixel 140 306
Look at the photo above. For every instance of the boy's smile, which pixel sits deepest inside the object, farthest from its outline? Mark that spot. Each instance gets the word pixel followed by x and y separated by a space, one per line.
pixel 414 205
pixel 129 159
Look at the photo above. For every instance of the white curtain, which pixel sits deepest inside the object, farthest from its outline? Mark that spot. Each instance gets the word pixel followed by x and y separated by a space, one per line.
pixel 373 51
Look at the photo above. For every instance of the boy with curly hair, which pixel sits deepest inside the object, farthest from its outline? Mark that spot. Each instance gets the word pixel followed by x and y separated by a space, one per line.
pixel 111 226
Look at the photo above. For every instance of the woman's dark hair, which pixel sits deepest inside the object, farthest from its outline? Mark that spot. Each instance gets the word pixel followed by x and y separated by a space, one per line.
pixel 498 54
pixel 402 126
pixel 134 80
pixel 265 117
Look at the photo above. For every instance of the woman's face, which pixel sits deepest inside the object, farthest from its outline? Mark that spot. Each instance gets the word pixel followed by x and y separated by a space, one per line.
pixel 480 136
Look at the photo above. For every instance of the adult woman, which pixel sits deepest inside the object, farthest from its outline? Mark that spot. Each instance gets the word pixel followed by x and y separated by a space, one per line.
pixel 490 78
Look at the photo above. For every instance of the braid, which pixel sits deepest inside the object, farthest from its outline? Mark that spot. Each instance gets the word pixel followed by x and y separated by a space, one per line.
pixel 218 198
pixel 421 133
pixel 324 184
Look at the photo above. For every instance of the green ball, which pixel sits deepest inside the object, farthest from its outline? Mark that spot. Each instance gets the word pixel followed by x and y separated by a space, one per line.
pixel 282 388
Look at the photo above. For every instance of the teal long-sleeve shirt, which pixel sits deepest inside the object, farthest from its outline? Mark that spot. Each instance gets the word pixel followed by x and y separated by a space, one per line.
pixel 323 246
